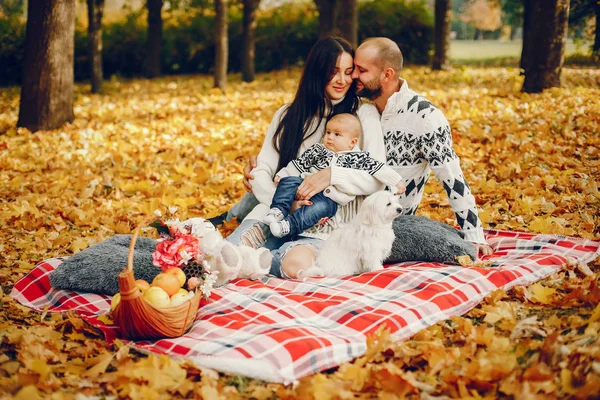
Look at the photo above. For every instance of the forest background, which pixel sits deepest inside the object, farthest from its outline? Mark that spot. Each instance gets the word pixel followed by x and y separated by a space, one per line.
pixel 285 31
pixel 177 140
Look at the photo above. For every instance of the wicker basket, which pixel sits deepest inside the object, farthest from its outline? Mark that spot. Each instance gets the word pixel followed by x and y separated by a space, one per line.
pixel 138 319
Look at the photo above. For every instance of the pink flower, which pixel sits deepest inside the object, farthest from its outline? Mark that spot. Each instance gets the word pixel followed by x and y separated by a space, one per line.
pixel 174 253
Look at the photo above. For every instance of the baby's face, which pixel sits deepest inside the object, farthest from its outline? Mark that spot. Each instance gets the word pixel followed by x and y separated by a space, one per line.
pixel 338 136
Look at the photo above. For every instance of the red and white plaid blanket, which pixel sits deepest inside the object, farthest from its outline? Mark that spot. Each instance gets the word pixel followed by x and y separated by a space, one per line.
pixel 282 330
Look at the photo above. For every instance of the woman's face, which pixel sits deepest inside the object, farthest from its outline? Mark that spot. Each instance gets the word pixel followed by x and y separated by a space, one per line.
pixel 339 84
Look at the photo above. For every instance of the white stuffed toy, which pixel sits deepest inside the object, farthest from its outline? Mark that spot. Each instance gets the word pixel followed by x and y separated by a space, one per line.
pixel 231 261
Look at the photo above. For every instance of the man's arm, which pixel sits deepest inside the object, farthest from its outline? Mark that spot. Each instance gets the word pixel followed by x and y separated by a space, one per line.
pixel 436 147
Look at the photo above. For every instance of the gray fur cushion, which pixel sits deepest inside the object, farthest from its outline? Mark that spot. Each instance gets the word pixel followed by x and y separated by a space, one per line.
pixel 423 239
pixel 96 268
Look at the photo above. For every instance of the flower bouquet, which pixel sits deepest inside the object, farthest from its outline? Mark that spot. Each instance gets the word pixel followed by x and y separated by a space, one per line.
pixel 179 247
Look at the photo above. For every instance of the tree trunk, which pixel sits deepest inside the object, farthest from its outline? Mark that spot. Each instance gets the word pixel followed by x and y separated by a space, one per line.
pixel 546 50
pixel 527 21
pixel 48 65
pixel 154 39
pixel 221 44
pixel 513 31
pixel 327 16
pixel 95 10
pixel 441 35
pixel 596 48
pixel 347 21
pixel 249 30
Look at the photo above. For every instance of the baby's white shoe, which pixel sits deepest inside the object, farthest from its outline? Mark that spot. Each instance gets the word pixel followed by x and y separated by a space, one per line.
pixel 273 215
pixel 280 228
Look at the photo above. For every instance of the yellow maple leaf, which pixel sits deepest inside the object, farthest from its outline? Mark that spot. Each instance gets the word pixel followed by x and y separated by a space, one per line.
pixel 540 294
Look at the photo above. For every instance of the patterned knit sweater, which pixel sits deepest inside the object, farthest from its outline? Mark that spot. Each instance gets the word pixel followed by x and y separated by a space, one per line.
pixel 319 157
pixel 418 140
pixel 371 140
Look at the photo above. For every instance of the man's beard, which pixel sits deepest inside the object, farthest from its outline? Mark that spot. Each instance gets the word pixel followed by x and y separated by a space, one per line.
pixel 371 90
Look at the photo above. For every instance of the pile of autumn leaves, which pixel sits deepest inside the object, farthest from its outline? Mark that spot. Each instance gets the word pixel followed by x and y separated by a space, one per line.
pixel 531 160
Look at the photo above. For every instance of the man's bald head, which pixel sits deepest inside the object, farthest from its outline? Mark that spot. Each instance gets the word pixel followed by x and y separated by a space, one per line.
pixel 385 51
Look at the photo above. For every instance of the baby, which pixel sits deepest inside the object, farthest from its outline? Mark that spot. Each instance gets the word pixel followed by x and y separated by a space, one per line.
pixel 339 148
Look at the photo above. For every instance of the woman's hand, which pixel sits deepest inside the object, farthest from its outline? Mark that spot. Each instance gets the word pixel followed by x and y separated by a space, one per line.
pixel 400 188
pixel 247 175
pixel 296 204
pixel 484 249
pixel 314 184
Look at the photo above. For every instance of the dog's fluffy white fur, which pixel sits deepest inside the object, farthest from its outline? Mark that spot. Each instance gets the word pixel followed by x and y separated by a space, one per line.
pixel 362 244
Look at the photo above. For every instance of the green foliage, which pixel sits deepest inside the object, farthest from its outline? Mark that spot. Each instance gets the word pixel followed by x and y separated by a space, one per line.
pixel 408 23
pixel 579 13
pixel 284 35
pixel 12 46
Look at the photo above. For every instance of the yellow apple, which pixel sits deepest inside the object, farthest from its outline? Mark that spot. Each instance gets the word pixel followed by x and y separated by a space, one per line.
pixel 142 284
pixel 157 297
pixel 179 274
pixel 182 291
pixel 168 282
pixel 178 299
pixel 114 302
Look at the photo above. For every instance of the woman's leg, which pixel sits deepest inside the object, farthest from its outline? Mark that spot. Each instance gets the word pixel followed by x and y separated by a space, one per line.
pixel 240 210
pixel 298 258
pixel 294 256
pixel 236 236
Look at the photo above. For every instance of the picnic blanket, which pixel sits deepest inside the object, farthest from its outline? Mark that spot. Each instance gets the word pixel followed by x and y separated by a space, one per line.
pixel 282 330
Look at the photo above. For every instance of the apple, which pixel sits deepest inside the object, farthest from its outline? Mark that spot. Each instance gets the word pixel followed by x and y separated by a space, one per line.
pixel 142 284
pixel 179 274
pixel 157 297
pixel 168 282
pixel 178 299
pixel 182 291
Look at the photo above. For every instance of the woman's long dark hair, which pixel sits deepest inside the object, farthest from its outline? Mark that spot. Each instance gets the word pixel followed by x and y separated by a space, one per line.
pixel 310 102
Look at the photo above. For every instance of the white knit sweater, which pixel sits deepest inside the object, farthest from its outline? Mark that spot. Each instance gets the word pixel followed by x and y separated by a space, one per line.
pixel 418 140
pixel 371 140
pixel 319 157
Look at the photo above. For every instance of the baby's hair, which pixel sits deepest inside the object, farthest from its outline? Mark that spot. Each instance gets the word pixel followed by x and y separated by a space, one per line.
pixel 351 121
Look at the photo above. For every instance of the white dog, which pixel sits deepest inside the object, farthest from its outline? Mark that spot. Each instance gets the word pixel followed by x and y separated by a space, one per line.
pixel 362 244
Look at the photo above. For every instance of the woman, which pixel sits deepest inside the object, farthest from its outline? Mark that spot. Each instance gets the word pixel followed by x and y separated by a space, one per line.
pixel 325 89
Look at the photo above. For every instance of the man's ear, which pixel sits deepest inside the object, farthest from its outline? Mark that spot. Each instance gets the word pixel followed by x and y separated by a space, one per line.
pixel 388 74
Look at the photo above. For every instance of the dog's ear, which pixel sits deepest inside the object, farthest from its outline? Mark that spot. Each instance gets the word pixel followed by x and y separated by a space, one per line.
pixel 368 210
pixel 366 216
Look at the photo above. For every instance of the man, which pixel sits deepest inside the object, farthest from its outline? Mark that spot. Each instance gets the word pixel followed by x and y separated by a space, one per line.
pixel 417 137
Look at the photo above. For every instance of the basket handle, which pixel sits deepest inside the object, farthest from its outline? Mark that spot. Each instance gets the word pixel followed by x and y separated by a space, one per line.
pixel 134 237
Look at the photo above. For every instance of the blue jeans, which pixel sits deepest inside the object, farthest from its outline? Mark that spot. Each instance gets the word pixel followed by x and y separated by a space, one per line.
pixel 305 217
pixel 278 246
pixel 243 207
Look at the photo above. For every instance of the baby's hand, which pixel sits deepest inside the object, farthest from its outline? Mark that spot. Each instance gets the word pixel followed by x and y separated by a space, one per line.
pixel 276 180
pixel 401 188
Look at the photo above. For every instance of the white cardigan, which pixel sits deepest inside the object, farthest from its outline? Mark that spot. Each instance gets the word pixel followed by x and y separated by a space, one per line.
pixel 371 140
